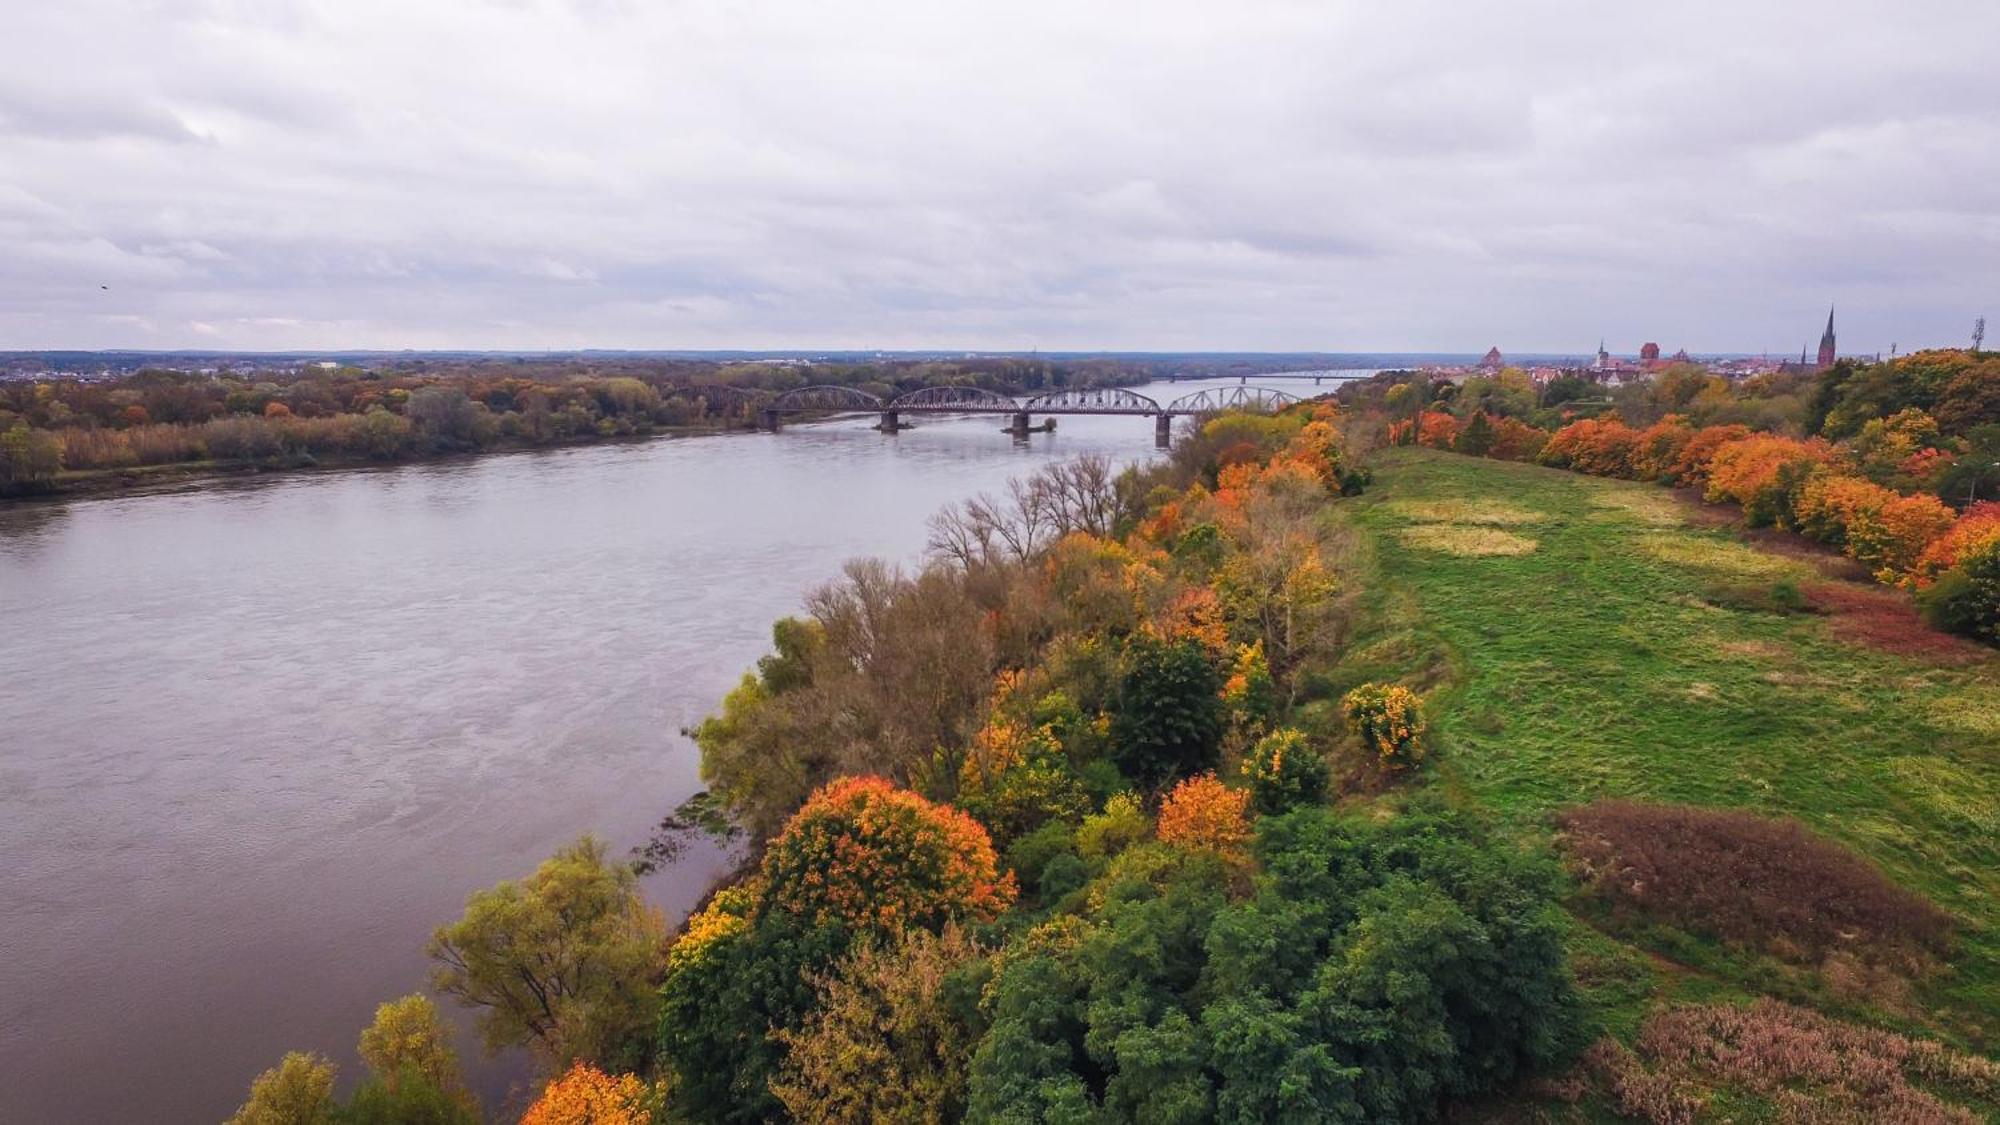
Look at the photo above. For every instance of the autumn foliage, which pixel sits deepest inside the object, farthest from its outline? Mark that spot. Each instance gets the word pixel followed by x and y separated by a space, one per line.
pixel 1760 471
pixel 1388 720
pixel 1203 813
pixel 867 855
pixel 1975 532
pixel 588 1096
pixel 1599 446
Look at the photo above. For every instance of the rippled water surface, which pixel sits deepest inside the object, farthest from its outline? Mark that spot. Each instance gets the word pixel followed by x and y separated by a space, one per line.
pixel 256 740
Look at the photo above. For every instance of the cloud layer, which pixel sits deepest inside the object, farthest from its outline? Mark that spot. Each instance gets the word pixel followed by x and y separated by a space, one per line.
pixel 1160 175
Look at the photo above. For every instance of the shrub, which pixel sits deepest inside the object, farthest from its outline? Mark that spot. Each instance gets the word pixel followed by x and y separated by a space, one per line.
pixel 1659 446
pixel 1515 440
pixel 866 855
pixel 1284 771
pixel 1437 430
pixel 1599 446
pixel 1205 814
pixel 1966 598
pixel 1766 883
pixel 1389 721
pixel 1122 824
pixel 1690 465
pixel 1764 473
pixel 1977 529
pixel 1882 530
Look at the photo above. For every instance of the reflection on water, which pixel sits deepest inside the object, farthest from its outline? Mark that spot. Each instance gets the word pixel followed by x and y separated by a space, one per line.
pixel 256 740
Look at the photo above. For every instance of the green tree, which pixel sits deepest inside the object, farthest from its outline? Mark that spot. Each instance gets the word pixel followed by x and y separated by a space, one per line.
pixel 298 1091
pixel 890 1037
pixel 1167 719
pixel 1476 439
pixel 405 1096
pixel 718 1009
pixel 564 961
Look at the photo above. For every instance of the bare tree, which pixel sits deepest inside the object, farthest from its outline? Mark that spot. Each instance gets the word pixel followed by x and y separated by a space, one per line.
pixel 1055 500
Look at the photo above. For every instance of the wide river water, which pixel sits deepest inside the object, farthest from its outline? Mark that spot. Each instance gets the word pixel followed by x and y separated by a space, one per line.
pixel 258 738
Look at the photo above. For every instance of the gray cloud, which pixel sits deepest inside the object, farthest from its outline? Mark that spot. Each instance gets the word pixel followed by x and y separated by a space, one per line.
pixel 1171 174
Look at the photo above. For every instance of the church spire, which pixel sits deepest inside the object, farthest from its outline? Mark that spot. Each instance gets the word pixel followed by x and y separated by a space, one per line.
pixel 1826 342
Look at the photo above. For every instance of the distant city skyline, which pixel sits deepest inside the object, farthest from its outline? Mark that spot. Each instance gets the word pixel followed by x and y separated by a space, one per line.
pixel 1341 177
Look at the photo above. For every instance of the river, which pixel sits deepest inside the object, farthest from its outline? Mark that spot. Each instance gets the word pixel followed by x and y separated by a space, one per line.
pixel 258 738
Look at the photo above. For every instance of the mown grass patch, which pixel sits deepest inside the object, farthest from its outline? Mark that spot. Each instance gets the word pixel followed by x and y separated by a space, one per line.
pixel 1605 663
pixel 1492 512
pixel 1470 542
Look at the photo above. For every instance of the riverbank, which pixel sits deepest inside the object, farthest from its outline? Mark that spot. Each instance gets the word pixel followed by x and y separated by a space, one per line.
pixel 265 735
pixel 140 479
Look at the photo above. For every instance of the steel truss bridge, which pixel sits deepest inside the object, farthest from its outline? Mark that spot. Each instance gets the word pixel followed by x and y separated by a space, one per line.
pixel 1021 411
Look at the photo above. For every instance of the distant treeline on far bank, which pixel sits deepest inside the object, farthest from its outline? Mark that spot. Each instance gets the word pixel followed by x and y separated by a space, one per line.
pixel 66 432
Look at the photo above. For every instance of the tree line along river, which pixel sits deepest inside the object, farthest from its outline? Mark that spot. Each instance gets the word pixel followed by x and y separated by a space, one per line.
pixel 258 738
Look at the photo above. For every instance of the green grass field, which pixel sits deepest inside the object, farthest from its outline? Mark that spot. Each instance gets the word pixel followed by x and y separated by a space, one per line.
pixel 1582 638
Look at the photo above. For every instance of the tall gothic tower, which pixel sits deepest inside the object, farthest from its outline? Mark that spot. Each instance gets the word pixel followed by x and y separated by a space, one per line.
pixel 1826 341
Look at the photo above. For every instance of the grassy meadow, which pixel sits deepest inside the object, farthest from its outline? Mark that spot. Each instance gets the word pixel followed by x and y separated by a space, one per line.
pixel 1582 638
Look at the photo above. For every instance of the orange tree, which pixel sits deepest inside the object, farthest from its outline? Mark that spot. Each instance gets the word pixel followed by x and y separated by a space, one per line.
pixel 869 856
pixel 588 1096
pixel 1204 814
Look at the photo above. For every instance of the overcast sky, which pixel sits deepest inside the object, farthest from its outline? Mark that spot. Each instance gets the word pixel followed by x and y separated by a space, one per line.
pixel 1230 174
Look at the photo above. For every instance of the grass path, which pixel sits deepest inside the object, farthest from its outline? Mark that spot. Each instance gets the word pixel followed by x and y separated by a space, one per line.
pixel 1585 640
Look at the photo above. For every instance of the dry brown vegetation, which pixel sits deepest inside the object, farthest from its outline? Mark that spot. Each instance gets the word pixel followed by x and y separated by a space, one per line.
pixel 1808 1067
pixel 1766 883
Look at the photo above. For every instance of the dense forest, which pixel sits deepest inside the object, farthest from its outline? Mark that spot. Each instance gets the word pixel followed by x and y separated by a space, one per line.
pixel 72 432
pixel 1150 797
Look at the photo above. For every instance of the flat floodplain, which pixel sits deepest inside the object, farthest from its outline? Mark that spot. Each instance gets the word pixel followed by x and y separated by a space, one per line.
pixel 1629 643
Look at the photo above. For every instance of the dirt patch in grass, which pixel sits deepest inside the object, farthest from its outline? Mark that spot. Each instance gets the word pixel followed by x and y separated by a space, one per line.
pixel 1761 651
pixel 1791 545
pixel 1472 542
pixel 1881 618
pixel 1701 513
pixel 1496 513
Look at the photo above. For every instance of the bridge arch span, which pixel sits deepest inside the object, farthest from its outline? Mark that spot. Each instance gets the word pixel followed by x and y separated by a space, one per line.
pixel 1231 398
pixel 823 399
pixel 946 399
pixel 1091 400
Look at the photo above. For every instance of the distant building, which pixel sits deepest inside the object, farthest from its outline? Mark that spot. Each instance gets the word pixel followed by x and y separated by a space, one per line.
pixel 1492 360
pixel 1649 353
pixel 1826 350
pixel 1682 356
pixel 1603 357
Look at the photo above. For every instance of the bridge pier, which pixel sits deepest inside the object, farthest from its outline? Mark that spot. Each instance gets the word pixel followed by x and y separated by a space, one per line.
pixel 770 420
pixel 1019 427
pixel 889 423
pixel 1163 430
pixel 1242 380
